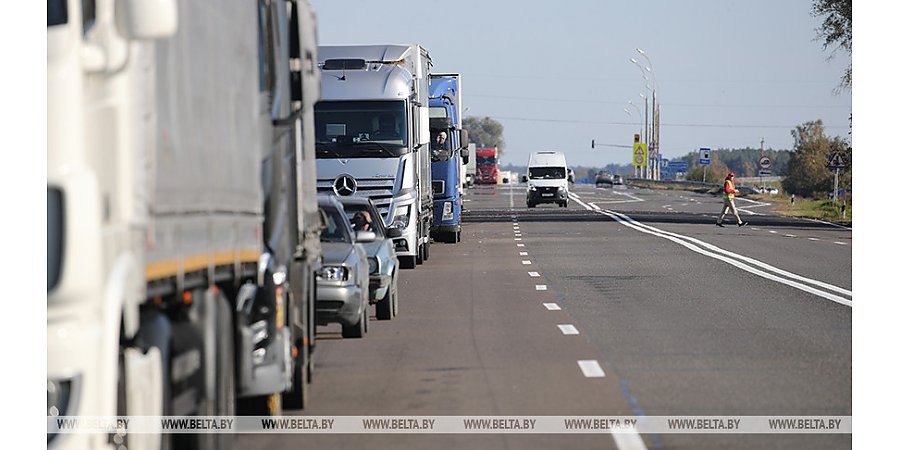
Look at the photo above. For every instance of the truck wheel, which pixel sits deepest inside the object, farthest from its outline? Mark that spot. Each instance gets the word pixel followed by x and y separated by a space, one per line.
pixel 384 310
pixel 530 205
pixel 260 405
pixel 407 262
pixel 420 257
pixel 298 397
pixel 459 236
pixel 454 237
pixel 426 251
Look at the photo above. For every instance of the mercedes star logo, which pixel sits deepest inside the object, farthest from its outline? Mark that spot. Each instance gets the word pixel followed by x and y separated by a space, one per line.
pixel 344 185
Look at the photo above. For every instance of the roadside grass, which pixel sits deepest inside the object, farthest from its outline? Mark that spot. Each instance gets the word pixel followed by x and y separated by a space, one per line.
pixel 803 207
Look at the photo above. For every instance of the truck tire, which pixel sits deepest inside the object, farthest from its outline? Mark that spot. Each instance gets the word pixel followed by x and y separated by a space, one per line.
pixel 426 251
pixel 530 205
pixel 420 257
pixel 453 237
pixel 395 296
pixel 298 396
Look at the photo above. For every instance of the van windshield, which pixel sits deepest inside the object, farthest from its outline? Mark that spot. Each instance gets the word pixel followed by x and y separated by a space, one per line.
pixel 547 173
pixel 361 129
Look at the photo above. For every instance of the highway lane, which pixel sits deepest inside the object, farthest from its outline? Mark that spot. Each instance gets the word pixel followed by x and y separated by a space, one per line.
pixel 688 334
pixel 675 331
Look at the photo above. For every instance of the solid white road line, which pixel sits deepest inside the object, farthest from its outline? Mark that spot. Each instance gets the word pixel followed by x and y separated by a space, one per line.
pixel 591 368
pixel 552 307
pixel 574 195
pixel 540 287
pixel 628 439
pixel 568 329
pixel 533 274
pixel 737 260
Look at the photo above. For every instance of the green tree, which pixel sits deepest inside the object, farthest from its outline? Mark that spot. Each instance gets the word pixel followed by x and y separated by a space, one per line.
pixel 836 29
pixel 485 132
pixel 807 174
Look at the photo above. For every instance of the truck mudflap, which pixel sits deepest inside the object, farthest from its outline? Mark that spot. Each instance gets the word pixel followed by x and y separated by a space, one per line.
pixel 263 357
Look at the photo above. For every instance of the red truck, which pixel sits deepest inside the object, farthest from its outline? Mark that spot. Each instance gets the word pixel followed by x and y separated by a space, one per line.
pixel 486 170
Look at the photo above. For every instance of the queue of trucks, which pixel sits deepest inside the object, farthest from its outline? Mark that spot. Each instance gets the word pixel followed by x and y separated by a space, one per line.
pixel 188 146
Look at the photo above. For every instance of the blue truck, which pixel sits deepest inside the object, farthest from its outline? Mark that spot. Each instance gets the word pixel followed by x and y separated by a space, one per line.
pixel 449 152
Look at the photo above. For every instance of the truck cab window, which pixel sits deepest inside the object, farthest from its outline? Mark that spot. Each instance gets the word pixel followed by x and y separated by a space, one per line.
pixel 88 15
pixel 57 13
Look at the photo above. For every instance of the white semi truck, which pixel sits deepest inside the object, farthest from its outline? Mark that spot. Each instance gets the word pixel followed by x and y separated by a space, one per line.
pixel 176 219
pixel 372 136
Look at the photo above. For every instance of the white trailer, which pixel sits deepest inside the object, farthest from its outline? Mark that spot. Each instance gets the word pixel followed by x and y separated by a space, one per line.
pixel 160 214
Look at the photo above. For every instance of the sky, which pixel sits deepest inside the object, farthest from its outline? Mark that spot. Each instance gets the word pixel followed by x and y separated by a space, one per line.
pixel 728 74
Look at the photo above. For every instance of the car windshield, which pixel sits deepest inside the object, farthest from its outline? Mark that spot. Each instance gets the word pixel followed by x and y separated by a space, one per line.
pixel 361 129
pixel 335 229
pixel 362 218
pixel 547 173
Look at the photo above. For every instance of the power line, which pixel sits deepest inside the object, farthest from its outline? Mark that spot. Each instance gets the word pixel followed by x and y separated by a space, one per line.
pixel 683 105
pixel 686 125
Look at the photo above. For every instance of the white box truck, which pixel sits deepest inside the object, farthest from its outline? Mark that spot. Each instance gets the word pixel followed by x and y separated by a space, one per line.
pixel 372 136
pixel 171 161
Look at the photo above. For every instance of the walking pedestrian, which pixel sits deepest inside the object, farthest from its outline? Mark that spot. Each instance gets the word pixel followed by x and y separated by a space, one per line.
pixel 728 202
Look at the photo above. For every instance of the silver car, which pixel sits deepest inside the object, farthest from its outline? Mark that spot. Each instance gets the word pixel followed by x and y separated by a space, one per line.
pixel 342 284
pixel 382 258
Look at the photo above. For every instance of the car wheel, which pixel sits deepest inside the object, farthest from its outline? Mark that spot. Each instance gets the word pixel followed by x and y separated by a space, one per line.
pixel 384 310
pixel 395 296
pixel 355 331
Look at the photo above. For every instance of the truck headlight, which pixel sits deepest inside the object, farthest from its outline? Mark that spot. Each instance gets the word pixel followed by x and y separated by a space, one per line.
pixel 333 273
pixel 448 211
pixel 532 188
pixel 401 217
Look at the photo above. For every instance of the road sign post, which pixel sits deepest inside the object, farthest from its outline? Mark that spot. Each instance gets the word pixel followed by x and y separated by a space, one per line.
pixel 704 160
pixel 836 163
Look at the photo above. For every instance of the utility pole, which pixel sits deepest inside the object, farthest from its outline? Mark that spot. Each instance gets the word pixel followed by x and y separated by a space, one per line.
pixel 762 144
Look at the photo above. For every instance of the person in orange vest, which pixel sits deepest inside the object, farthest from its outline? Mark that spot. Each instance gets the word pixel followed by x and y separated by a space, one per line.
pixel 728 202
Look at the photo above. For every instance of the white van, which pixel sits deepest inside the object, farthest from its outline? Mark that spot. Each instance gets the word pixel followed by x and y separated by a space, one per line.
pixel 547 181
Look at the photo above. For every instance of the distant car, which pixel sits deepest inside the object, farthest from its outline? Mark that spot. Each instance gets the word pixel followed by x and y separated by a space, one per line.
pixel 603 178
pixel 618 180
pixel 342 284
pixel 383 264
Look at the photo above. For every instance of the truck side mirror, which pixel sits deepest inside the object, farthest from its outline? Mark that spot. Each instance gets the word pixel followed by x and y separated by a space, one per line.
pixel 464 138
pixel 146 19
pixel 464 154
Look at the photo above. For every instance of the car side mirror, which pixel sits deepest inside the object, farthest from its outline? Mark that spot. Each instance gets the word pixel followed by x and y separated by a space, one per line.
pixel 364 237
pixel 393 232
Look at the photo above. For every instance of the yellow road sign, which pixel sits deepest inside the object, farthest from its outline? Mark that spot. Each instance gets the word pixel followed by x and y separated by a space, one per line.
pixel 640 154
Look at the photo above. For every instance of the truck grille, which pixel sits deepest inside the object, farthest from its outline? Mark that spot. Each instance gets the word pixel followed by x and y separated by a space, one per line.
pixel 379 190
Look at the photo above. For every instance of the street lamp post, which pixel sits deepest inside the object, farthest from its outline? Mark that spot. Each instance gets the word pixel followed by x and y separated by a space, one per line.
pixel 655 137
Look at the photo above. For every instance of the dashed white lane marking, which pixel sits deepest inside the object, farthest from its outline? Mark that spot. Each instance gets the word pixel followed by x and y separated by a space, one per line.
pixel 773 232
pixel 754 228
pixel 840 243
pixel 568 329
pixel 533 274
pixel 591 368
pixel 520 245
pixel 517 239
pixel 515 227
pixel 552 307
pixel 526 262
pixel 790 235
pixel 523 253
pixel 540 287
pixel 813 239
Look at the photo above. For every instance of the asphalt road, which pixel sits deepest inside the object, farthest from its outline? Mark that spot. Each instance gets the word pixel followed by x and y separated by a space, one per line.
pixel 683 318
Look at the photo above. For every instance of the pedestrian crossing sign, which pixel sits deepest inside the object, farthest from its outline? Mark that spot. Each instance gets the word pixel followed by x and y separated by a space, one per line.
pixel 640 154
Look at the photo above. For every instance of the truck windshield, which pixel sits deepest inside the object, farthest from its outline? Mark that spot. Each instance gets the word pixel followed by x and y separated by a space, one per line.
pixel 335 229
pixel 56 13
pixel 361 129
pixel 547 173
pixel 486 161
